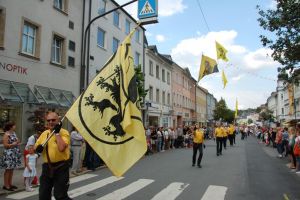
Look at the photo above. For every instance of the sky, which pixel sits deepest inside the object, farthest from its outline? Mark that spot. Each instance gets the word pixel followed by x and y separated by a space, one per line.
pixel 185 34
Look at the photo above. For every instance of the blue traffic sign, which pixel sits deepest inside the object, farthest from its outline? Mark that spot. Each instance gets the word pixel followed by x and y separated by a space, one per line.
pixel 147 9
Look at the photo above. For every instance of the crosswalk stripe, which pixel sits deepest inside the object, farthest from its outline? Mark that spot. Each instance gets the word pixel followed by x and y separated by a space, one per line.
pixel 92 186
pixel 24 194
pixel 171 192
pixel 127 190
pixel 214 192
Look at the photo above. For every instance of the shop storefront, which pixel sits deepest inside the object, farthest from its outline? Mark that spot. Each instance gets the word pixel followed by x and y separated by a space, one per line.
pixel 27 107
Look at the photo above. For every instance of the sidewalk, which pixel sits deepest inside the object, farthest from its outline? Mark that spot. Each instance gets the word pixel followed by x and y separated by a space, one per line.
pixel 18 179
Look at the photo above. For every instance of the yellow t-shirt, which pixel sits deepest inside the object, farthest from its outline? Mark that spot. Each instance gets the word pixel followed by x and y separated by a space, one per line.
pixel 231 129
pixel 198 136
pixel 54 154
pixel 225 131
pixel 218 132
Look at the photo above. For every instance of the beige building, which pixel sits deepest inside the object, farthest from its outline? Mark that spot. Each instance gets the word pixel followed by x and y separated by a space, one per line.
pixel 184 96
pixel 40 44
pixel 158 82
pixel 201 99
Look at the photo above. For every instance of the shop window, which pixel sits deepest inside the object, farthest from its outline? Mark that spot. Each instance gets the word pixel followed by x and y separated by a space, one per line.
pixel 11 113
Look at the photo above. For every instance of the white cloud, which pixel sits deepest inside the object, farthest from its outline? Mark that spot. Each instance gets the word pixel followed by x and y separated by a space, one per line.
pixel 243 66
pixel 170 7
pixel 237 78
pixel 160 38
pixel 272 5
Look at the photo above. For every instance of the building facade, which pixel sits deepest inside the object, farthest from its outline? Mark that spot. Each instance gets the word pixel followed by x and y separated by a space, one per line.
pixel 106 34
pixel 184 96
pixel 158 82
pixel 211 102
pixel 201 99
pixel 40 44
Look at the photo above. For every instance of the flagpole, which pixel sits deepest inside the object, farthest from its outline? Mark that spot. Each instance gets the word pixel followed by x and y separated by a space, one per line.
pixel 83 52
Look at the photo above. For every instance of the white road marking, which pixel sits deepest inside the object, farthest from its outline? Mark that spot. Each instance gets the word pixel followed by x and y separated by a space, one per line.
pixel 171 192
pixel 127 190
pixel 214 192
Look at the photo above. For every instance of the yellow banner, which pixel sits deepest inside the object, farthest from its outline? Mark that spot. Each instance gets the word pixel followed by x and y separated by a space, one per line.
pixel 221 52
pixel 224 79
pixel 107 113
pixel 208 66
pixel 291 99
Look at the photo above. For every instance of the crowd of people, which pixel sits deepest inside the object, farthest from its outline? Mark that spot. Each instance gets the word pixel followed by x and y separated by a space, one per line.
pixel 286 140
pixel 64 146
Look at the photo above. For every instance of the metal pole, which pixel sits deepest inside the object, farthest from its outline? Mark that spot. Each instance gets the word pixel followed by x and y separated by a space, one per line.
pixel 83 56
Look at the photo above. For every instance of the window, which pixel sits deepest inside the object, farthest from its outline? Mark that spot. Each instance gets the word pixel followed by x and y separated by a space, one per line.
pixel 101 6
pixel 117 19
pixel 137 35
pixel 151 93
pixel 151 67
pixel 61 5
pixel 169 99
pixel 28 39
pixel 157 71
pixel 164 97
pixel 57 51
pixel 168 78
pixel 163 75
pixel 136 59
pixel 71 25
pixel 100 38
pixel 115 45
pixel 71 45
pixel 157 95
pixel 127 26
pixel 71 61
pixel 2 26
pixel 281 96
pixel 282 111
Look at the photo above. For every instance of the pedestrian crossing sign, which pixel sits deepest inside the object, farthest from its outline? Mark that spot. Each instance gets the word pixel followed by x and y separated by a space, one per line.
pixel 147 9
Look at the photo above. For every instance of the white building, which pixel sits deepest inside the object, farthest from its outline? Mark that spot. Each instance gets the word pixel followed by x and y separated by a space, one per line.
pixel 40 44
pixel 158 81
pixel 272 104
pixel 107 33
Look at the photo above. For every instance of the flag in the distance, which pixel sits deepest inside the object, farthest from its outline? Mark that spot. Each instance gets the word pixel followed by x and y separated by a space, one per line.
pixel 106 114
pixel 208 66
pixel 236 109
pixel 221 52
pixel 224 79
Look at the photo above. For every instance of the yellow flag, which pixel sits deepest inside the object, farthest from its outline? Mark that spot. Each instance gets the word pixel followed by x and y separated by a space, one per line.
pixel 208 66
pixel 221 52
pixel 224 79
pixel 106 114
pixel 236 109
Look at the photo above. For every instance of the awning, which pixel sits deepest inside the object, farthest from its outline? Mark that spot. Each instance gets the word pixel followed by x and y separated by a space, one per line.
pixel 53 96
pixel 16 92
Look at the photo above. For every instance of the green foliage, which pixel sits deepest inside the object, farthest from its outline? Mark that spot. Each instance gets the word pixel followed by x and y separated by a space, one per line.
pixel 266 115
pixel 140 79
pixel 284 22
pixel 222 112
pixel 250 121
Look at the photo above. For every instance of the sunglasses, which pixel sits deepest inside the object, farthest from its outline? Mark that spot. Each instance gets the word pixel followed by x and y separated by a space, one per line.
pixel 51 120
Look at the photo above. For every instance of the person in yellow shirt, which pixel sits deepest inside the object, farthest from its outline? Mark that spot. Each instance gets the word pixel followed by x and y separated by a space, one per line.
pixel 225 135
pixel 198 139
pixel 56 155
pixel 219 139
pixel 230 134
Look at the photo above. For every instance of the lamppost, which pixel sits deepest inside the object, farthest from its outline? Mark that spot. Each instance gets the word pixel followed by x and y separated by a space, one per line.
pixel 83 50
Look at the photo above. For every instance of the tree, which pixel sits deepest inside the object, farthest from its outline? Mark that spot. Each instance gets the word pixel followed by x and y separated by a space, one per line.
pixel 140 83
pixel 222 112
pixel 284 21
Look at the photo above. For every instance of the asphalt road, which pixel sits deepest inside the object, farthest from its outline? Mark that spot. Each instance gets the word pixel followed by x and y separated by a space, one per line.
pixel 247 171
